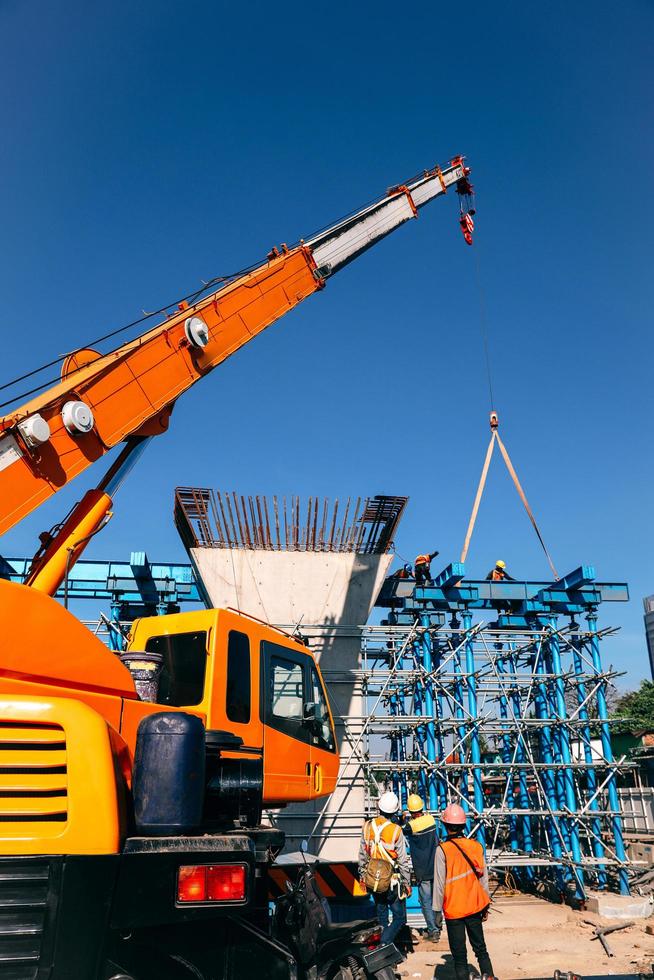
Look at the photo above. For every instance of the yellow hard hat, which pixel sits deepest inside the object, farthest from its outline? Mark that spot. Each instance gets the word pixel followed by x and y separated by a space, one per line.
pixel 414 803
pixel 500 564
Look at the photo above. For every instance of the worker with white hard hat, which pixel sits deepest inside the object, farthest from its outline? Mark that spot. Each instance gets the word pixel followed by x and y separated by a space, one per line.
pixel 420 831
pixel 384 866
pixel 461 892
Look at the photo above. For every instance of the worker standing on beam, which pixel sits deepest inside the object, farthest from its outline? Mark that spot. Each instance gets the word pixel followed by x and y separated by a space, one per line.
pixel 461 893
pixel 384 866
pixel 499 573
pixel 420 830
pixel 423 570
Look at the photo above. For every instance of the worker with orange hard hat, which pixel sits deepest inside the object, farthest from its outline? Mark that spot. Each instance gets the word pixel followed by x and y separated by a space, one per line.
pixel 461 892
pixel 420 831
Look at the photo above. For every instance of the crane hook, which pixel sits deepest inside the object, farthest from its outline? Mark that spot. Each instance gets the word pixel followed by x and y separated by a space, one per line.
pixel 466 194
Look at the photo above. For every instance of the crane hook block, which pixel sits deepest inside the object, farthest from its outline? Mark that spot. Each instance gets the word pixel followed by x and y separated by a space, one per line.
pixel 494 421
pixel 467 224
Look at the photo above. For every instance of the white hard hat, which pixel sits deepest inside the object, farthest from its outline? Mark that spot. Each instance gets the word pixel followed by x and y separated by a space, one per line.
pixel 389 803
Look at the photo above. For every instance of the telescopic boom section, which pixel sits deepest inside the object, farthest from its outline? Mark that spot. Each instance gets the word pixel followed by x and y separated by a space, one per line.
pixel 102 400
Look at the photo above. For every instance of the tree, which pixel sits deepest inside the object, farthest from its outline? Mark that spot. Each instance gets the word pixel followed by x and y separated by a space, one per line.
pixel 572 698
pixel 637 708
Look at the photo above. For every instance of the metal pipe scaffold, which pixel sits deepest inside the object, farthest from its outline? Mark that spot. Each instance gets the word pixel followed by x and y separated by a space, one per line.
pixel 506 715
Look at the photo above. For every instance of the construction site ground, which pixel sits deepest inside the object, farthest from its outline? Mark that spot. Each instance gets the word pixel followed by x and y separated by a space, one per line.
pixel 529 937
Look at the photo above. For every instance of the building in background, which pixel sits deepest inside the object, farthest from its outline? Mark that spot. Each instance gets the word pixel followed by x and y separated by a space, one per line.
pixel 648 603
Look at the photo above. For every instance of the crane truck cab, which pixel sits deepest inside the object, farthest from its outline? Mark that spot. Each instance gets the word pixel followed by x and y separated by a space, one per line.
pixel 247 679
pixel 258 690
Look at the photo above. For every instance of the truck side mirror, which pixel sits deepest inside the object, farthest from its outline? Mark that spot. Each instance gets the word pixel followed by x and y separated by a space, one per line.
pixel 312 717
pixel 310 711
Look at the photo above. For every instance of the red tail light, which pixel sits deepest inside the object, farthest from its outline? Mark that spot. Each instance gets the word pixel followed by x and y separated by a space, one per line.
pixel 370 938
pixel 211 883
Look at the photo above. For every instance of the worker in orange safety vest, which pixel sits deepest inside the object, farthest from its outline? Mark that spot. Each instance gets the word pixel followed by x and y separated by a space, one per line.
pixel 499 573
pixel 382 840
pixel 461 893
pixel 422 569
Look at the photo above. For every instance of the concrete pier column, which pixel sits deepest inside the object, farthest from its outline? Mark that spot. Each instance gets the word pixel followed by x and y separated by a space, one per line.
pixel 317 568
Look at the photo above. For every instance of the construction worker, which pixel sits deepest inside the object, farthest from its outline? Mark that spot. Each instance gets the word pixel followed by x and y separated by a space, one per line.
pixel 499 573
pixel 422 569
pixel 382 839
pixel 405 572
pixel 420 830
pixel 461 893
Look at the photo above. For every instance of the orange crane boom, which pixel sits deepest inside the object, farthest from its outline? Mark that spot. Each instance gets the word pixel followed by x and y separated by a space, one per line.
pixel 105 399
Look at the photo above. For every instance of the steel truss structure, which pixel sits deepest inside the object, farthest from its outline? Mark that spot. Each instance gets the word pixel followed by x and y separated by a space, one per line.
pixel 493 695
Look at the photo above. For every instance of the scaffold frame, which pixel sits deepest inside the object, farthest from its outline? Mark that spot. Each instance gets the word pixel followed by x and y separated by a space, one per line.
pixel 493 695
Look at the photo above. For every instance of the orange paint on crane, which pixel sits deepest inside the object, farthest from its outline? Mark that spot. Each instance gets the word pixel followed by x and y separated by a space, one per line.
pixel 134 386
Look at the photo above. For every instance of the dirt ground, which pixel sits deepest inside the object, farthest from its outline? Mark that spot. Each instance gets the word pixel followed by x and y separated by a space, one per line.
pixel 529 937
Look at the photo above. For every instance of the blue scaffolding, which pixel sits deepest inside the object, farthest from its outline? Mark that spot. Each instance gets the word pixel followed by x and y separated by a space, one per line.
pixel 495 698
pixel 129 589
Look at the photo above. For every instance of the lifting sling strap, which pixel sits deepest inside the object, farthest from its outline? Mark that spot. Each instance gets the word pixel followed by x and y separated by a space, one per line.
pixel 495 437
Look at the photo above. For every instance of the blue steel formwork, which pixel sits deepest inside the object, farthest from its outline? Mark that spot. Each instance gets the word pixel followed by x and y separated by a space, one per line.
pixel 493 695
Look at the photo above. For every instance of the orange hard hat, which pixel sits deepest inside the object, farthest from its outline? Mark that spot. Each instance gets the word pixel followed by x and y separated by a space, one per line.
pixel 454 814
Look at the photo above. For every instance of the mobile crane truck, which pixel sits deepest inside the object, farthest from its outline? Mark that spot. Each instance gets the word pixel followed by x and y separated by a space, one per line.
pixel 131 787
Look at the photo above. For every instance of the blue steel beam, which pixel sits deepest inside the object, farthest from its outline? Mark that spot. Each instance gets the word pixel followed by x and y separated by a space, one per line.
pixel 450 575
pixel 574 593
pixel 134 582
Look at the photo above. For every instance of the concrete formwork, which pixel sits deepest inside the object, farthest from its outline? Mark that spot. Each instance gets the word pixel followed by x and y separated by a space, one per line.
pixel 316 570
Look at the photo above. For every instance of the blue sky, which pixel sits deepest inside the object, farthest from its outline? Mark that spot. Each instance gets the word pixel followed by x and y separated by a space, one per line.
pixel 149 145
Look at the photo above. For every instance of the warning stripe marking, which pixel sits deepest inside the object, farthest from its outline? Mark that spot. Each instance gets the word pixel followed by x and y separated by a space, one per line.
pixel 334 880
pixel 349 879
pixel 324 887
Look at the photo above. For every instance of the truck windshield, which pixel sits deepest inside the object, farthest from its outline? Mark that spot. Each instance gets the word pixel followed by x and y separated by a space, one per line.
pixel 184 667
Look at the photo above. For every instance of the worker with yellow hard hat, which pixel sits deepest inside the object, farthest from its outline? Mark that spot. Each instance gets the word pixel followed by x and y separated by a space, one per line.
pixel 499 573
pixel 420 832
